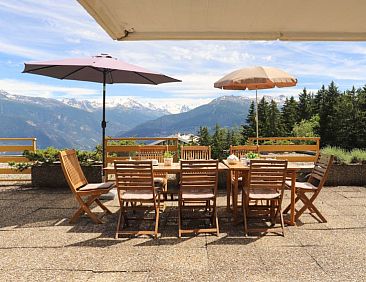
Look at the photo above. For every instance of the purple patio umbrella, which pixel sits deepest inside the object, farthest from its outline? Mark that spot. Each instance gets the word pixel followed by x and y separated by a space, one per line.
pixel 103 69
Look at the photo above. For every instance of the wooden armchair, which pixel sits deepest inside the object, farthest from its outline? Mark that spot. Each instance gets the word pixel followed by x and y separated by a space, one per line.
pixel 195 152
pixel 81 188
pixel 263 197
pixel 136 191
pixel 313 186
pixel 198 190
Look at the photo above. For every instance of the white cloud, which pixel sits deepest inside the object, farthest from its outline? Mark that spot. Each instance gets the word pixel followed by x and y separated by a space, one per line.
pixel 25 88
pixel 24 52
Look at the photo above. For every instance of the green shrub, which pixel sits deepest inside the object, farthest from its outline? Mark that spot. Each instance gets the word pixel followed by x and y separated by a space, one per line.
pixel 343 156
pixel 50 155
pixel 358 156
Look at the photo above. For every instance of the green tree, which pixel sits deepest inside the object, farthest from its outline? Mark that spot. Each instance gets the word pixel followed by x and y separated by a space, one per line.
pixel 204 136
pixel 275 128
pixel 219 143
pixel 305 110
pixel 250 128
pixel 263 118
pixel 327 113
pixel 289 115
pixel 307 128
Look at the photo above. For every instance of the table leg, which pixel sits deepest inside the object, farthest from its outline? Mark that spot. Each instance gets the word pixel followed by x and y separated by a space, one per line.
pixel 228 189
pixel 235 197
pixel 293 194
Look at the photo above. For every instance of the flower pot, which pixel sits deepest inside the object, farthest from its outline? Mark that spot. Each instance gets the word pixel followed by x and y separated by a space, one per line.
pixel 168 161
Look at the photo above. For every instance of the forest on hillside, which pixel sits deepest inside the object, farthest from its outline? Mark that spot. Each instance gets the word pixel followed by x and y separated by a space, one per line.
pixel 338 118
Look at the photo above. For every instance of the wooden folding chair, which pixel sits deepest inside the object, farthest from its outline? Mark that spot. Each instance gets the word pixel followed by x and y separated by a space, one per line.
pixel 81 188
pixel 264 193
pixel 195 152
pixel 136 191
pixel 198 191
pixel 314 185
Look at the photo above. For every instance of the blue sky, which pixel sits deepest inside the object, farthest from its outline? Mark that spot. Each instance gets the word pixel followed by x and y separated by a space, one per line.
pixel 44 30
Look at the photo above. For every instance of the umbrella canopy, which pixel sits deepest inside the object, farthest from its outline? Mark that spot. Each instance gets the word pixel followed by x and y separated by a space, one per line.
pixel 103 69
pixel 256 78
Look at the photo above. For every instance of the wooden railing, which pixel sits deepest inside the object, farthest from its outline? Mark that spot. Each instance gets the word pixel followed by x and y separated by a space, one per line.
pixel 139 150
pixel 295 149
pixel 11 150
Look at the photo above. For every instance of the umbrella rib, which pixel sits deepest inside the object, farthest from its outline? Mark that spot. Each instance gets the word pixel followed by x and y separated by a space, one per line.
pixel 83 67
pixel 153 82
pixel 40 68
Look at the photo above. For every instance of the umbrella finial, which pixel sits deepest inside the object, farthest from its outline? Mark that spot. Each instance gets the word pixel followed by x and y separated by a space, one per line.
pixel 104 55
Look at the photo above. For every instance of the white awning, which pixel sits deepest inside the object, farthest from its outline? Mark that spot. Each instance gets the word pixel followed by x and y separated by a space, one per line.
pixel 306 20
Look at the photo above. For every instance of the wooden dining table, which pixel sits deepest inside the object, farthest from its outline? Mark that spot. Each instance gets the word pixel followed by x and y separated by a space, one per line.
pixel 240 169
pixel 174 168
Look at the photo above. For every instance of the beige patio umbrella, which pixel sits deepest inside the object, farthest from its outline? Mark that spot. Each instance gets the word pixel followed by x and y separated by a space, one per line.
pixel 256 78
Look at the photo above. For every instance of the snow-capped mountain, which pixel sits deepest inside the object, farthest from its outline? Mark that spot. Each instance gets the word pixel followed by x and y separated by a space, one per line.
pixel 130 103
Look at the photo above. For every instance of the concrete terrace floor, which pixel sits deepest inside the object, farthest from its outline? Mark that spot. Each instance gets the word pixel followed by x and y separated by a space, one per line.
pixel 37 243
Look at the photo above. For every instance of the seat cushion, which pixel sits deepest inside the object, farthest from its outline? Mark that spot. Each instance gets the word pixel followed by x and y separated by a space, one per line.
pixel 96 186
pixel 198 194
pixel 263 194
pixel 137 195
pixel 302 185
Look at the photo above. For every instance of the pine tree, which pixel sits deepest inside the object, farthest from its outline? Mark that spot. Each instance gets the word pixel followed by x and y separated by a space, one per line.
pixel 204 136
pixel 263 118
pixel 275 122
pixel 249 129
pixel 327 113
pixel 289 115
pixel 305 106
pixel 219 143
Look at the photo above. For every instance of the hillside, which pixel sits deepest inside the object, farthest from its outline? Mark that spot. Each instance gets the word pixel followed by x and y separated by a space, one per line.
pixel 55 123
pixel 227 111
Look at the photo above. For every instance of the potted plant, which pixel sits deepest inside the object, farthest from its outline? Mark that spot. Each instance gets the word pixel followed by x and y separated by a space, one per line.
pixel 168 158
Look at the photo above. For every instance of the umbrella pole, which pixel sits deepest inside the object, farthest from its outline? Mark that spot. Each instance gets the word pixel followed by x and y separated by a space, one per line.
pixel 256 114
pixel 104 123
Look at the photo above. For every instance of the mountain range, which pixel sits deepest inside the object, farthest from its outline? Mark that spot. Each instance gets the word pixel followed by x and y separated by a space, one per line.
pixel 71 123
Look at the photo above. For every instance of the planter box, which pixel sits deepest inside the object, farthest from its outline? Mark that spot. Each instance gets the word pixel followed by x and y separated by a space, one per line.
pixel 52 176
pixel 347 175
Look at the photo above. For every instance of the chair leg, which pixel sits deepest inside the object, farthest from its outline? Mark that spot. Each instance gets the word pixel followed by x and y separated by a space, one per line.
pixel 216 218
pixel 157 214
pixel 287 209
pixel 179 218
pixel 102 206
pixel 282 222
pixel 244 207
pixel 308 204
pixel 84 208
pixel 121 219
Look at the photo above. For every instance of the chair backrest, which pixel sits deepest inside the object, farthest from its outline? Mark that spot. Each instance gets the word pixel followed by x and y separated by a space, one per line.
pixel 199 174
pixel 320 172
pixel 152 152
pixel 72 170
pixel 195 152
pixel 134 175
pixel 267 174
pixel 241 150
